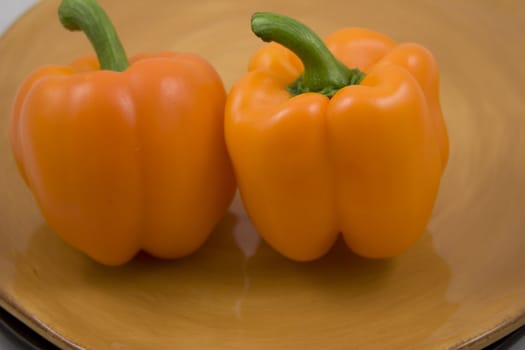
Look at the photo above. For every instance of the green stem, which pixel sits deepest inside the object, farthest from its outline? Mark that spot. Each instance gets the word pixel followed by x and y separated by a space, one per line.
pixel 89 17
pixel 323 73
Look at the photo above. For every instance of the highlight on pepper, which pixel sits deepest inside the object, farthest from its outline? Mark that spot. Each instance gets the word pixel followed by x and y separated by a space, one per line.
pixel 121 154
pixel 344 136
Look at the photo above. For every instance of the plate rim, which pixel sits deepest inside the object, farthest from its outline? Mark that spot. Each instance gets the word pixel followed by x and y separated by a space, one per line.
pixel 35 324
pixel 480 341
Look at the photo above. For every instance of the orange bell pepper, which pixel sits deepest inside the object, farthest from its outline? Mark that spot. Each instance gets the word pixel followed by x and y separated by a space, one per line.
pixel 320 149
pixel 124 157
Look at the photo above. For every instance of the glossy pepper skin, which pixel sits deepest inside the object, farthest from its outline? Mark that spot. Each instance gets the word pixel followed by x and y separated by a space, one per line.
pixel 365 162
pixel 126 161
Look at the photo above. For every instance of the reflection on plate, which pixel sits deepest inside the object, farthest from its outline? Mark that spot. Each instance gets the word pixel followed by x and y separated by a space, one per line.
pixel 460 286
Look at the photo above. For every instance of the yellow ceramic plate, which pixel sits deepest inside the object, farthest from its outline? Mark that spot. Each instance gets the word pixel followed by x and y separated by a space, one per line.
pixel 462 286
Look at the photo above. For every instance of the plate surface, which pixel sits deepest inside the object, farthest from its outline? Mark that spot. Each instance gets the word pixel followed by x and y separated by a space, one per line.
pixel 461 286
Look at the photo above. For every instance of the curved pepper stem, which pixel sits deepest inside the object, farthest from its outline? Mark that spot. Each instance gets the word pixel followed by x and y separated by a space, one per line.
pixel 89 17
pixel 323 73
